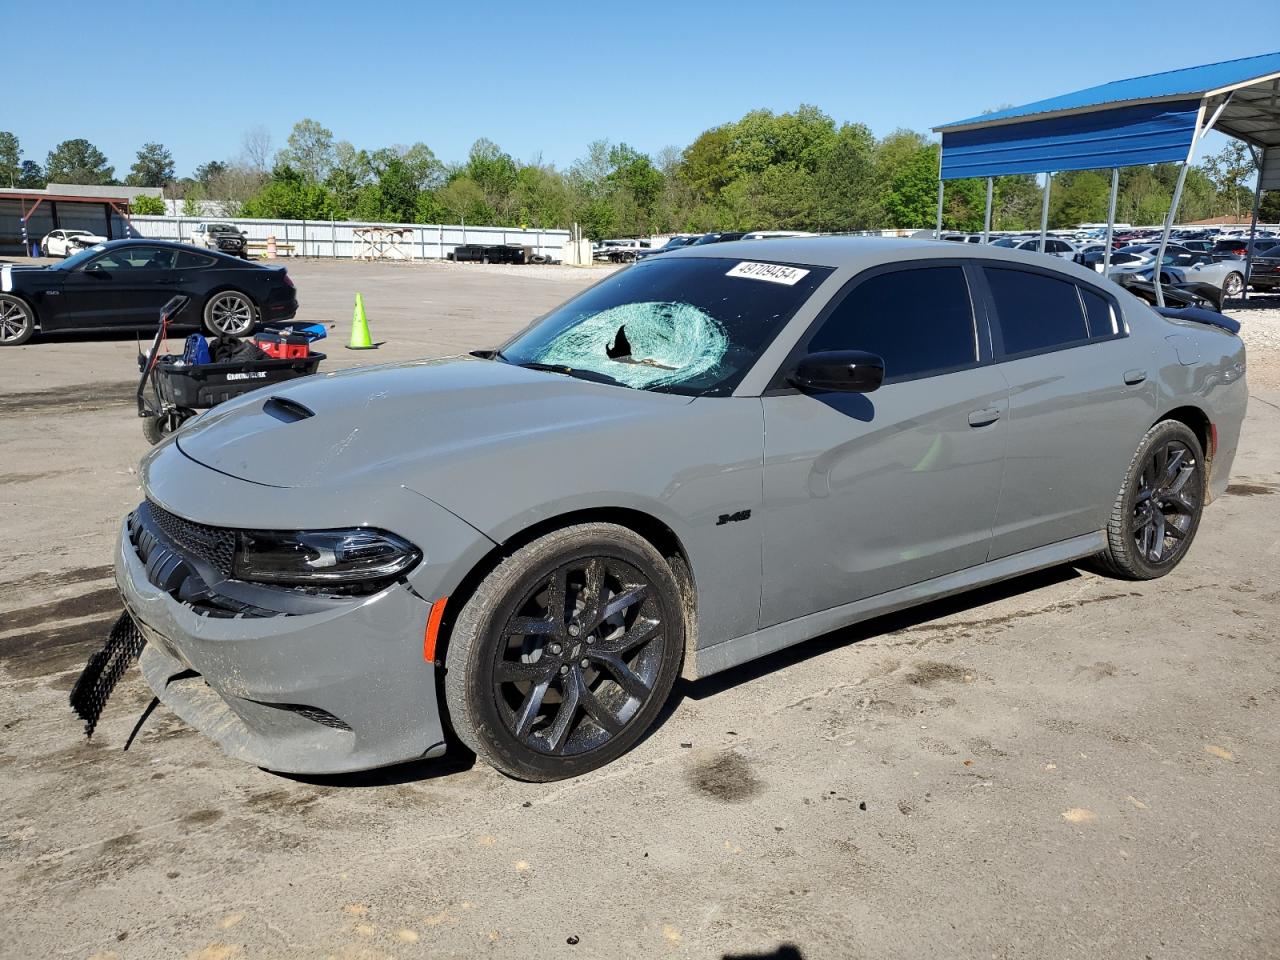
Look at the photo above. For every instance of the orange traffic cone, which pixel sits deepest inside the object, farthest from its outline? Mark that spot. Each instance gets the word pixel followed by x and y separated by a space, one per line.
pixel 360 339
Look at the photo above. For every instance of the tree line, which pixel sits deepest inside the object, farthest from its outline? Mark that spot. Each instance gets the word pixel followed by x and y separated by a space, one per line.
pixel 799 170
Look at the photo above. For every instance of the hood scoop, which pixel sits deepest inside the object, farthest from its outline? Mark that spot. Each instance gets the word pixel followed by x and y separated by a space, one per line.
pixel 286 410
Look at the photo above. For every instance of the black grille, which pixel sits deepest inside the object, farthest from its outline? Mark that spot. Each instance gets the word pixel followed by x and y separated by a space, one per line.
pixel 213 545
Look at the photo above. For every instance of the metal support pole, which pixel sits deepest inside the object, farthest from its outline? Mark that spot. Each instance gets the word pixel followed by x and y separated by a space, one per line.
pixel 1044 210
pixel 1258 159
pixel 986 220
pixel 1164 234
pixel 937 234
pixel 1177 190
pixel 1111 219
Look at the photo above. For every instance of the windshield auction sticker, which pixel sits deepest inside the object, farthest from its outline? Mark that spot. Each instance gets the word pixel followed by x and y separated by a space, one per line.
pixel 773 272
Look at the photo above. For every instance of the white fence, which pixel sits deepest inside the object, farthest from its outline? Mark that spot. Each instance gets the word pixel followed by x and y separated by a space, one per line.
pixel 336 238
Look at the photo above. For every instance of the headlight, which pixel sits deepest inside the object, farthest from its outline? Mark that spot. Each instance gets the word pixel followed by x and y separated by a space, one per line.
pixel 330 559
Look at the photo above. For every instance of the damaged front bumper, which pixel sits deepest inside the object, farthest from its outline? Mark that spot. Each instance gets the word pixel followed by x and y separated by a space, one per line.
pixel 339 689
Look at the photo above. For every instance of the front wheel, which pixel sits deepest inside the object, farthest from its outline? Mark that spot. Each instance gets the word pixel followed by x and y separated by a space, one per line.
pixel 229 314
pixel 1157 511
pixel 565 654
pixel 1233 286
pixel 17 321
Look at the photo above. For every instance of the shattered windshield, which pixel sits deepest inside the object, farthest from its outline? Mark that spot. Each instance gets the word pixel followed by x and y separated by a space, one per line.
pixel 686 325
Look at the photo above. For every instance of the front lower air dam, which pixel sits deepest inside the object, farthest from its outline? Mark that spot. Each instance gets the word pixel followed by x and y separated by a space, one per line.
pixel 103 671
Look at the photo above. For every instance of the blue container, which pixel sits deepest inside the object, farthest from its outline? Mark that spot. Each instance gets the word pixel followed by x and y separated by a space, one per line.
pixel 196 351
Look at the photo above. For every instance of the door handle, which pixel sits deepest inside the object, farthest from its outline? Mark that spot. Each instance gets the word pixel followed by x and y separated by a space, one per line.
pixel 1133 377
pixel 980 418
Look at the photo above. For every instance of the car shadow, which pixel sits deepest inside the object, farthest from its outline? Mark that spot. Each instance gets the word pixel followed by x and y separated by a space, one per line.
pixel 459 759
pixel 878 626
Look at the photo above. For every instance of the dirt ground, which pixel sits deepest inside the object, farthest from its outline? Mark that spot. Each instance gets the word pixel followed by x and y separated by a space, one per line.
pixel 1062 766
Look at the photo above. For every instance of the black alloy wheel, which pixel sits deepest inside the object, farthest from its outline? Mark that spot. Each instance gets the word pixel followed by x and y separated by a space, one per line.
pixel 1166 504
pixel 566 653
pixel 1157 512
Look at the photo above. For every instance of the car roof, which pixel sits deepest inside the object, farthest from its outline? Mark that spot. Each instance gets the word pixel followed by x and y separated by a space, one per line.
pixel 860 253
pixel 173 244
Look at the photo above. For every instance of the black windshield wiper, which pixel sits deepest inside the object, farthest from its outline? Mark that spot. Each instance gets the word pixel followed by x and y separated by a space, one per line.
pixel 592 375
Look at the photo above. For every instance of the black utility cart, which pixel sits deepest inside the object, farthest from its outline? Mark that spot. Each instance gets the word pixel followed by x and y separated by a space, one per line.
pixel 172 391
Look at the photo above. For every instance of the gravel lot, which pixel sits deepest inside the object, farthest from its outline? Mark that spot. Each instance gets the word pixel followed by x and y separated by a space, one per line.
pixel 1059 767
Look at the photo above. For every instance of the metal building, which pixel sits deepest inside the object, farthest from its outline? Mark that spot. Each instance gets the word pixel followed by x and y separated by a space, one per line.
pixel 27 215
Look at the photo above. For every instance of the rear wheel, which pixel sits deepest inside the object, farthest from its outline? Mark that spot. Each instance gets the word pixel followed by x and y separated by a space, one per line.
pixel 17 321
pixel 565 654
pixel 1157 512
pixel 229 313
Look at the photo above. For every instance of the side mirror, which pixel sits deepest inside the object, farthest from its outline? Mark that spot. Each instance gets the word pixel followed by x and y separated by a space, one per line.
pixel 848 371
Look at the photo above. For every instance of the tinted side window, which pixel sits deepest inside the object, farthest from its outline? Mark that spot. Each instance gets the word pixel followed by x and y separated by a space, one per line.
pixel 918 321
pixel 1036 312
pixel 1100 314
pixel 193 261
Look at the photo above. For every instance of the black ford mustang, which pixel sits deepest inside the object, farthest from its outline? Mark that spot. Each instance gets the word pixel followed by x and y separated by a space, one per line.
pixel 123 284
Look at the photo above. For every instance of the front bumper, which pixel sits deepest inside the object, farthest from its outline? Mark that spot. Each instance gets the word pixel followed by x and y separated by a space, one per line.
pixel 328 692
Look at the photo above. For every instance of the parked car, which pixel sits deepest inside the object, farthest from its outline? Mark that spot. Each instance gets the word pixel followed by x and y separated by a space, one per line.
pixel 723 236
pixel 123 283
pixel 674 243
pixel 63 243
pixel 619 251
pixel 1053 247
pixel 774 234
pixel 1238 248
pixel 529 545
pixel 225 237
pixel 1094 259
pixel 1265 271
pixel 1224 278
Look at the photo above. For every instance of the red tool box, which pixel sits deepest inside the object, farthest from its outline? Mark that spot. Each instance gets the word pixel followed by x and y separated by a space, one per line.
pixel 283 345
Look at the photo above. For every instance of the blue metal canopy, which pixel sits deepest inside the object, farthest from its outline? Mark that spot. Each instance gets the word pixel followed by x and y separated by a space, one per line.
pixel 1142 120
pixel 1120 137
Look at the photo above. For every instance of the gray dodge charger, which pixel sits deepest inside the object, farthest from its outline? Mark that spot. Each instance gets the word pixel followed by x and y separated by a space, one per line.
pixel 706 457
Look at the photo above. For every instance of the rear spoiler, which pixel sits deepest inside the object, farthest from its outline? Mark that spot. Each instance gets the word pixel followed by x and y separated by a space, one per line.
pixel 1199 315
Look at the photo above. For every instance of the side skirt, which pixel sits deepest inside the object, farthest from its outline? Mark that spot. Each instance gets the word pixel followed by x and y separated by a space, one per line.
pixel 742 649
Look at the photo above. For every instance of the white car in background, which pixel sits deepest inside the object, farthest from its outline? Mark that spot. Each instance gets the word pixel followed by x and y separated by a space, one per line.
pixel 63 243
pixel 1053 247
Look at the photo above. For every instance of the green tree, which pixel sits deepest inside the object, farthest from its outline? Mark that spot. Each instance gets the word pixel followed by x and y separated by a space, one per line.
pixel 1269 209
pixel 845 195
pixel 152 168
pixel 207 173
pixel 77 161
pixel 309 150
pixel 289 195
pixel 1078 196
pixel 147 206
pixel 32 176
pixel 10 158
pixel 1230 170
pixel 912 195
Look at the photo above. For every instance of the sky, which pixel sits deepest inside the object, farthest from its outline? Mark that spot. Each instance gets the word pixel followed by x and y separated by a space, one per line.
pixel 544 79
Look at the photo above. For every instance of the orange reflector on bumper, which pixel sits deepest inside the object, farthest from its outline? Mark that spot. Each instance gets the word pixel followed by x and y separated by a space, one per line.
pixel 433 630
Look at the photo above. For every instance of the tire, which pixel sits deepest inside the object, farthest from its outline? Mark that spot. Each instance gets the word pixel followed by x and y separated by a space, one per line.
pixel 155 429
pixel 1233 286
pixel 230 313
pixel 1145 543
pixel 17 321
pixel 502 683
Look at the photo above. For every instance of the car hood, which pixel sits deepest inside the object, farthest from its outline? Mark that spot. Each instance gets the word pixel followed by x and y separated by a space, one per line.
pixel 398 422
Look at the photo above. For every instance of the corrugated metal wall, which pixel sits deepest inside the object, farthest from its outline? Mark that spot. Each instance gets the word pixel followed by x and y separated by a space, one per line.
pixel 328 238
pixel 71 215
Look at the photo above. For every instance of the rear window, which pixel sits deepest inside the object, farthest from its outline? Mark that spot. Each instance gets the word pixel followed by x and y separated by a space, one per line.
pixel 1036 312
pixel 1226 246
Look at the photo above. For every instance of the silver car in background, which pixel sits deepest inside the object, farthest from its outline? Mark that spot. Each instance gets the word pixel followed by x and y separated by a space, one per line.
pixel 702 459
